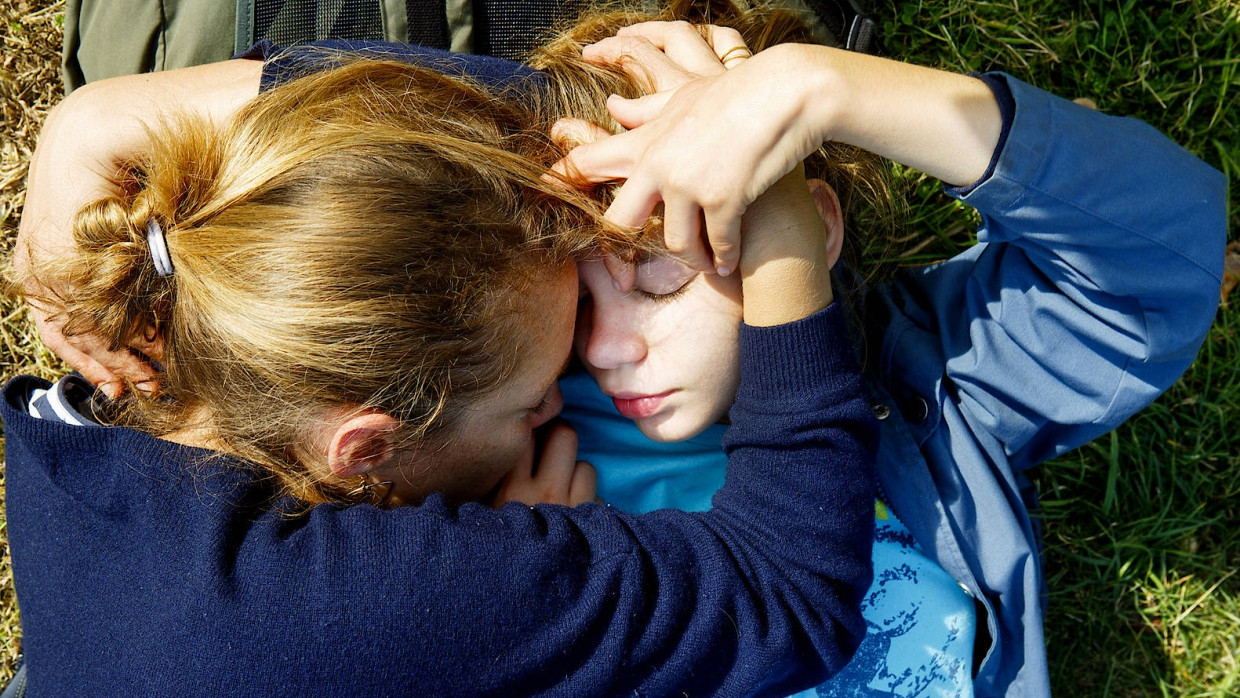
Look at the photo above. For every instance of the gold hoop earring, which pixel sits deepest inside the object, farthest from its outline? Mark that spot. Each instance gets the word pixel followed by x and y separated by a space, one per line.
pixel 376 493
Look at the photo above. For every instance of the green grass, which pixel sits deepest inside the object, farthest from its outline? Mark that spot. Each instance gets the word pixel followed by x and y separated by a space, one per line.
pixel 1142 526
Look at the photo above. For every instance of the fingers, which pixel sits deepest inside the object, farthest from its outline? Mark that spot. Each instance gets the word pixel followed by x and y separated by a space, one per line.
pixel 572 134
pixel 584 485
pixel 631 113
pixel 516 485
pixel 90 369
pixel 724 230
pixel 569 133
pixel 560 478
pixel 601 161
pixel 556 478
pixel 122 365
pixel 641 60
pixel 623 274
pixel 685 44
pixel 726 43
pixel 634 202
pixel 104 368
pixel 682 232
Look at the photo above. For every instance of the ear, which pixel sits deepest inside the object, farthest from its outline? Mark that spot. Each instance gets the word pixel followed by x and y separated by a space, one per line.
pixel 362 442
pixel 828 204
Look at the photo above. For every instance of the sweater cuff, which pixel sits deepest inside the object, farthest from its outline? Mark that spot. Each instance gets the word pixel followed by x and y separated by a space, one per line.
pixel 263 50
pixel 787 359
pixel 1007 110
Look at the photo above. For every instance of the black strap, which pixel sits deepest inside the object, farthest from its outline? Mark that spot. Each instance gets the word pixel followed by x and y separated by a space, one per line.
pixel 428 23
pixel 512 28
pixel 848 23
pixel 291 22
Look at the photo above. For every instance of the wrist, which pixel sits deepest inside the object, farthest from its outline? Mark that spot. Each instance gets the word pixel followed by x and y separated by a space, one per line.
pixel 785 265
pixel 820 87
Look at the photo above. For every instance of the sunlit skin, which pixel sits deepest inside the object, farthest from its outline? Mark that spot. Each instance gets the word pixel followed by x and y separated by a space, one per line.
pixel 498 432
pixel 667 351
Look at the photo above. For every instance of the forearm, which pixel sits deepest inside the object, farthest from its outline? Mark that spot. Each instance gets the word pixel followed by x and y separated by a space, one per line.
pixel 785 269
pixel 104 123
pixel 944 124
pixel 761 592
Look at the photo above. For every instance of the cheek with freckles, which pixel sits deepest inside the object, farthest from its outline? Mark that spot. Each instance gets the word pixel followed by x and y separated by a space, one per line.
pixel 693 348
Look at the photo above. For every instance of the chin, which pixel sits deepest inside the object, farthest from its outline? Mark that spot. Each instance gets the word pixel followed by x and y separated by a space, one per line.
pixel 672 427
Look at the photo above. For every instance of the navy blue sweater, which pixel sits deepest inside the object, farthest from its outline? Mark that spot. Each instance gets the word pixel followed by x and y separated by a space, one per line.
pixel 148 568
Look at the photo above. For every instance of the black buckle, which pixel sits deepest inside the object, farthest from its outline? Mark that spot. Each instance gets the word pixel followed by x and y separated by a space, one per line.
pixel 861 34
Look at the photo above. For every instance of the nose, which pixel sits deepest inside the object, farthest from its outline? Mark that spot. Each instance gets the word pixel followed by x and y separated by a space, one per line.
pixel 614 337
pixel 609 327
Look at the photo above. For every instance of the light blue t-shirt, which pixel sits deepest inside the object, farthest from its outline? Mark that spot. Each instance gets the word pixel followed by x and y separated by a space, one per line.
pixel 920 622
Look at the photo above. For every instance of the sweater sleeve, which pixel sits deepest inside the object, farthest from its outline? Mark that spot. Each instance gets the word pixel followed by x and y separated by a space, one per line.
pixel 148 568
pixel 760 594
pixel 1094 281
pixel 282 64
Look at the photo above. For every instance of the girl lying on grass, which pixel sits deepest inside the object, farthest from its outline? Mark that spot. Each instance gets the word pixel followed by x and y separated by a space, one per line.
pixel 928 463
pixel 1091 289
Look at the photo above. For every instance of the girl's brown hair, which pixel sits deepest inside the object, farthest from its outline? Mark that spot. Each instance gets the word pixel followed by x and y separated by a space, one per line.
pixel 580 89
pixel 369 235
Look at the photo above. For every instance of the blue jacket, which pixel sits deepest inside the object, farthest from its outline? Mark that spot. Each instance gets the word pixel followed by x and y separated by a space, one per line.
pixel 1095 279
pixel 1092 287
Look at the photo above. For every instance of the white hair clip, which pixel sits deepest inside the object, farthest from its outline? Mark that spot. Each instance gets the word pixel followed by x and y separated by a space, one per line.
pixel 159 248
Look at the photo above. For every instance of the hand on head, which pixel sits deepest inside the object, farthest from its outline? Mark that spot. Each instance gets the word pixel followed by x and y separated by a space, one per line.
pixel 706 143
pixel 91 356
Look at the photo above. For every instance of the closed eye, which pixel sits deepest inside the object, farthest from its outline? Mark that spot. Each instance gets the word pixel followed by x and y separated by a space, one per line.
pixel 663 278
pixel 543 404
pixel 667 297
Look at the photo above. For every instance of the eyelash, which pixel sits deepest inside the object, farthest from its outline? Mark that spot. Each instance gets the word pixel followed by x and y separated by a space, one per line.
pixel 665 297
pixel 542 405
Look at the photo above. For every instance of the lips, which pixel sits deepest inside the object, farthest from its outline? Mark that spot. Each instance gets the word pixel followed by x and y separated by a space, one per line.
pixel 639 406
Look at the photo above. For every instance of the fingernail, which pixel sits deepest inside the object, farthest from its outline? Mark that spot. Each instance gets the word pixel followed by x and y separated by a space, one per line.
pixel 111 390
pixel 722 270
pixel 616 285
pixel 147 387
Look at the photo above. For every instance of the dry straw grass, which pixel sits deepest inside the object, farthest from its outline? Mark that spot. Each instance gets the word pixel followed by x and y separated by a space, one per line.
pixel 29 85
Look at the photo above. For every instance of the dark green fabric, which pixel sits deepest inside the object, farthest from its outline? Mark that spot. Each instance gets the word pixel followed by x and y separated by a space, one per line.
pixel 107 38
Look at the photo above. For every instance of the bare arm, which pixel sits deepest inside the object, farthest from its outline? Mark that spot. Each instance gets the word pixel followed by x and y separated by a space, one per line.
pixel 708 147
pixel 82 143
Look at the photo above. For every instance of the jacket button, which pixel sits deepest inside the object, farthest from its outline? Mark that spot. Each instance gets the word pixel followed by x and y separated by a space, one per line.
pixel 916 410
pixel 880 410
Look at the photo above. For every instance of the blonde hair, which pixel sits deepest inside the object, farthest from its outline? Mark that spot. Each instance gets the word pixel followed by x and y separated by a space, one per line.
pixel 369 235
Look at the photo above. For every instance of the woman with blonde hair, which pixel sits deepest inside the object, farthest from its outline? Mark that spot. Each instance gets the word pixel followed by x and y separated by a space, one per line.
pixel 356 292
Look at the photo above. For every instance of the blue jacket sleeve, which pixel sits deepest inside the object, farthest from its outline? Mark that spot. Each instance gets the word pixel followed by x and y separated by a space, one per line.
pixel 1093 284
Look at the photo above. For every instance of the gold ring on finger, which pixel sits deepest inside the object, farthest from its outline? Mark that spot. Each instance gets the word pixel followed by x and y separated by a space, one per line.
pixel 735 53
